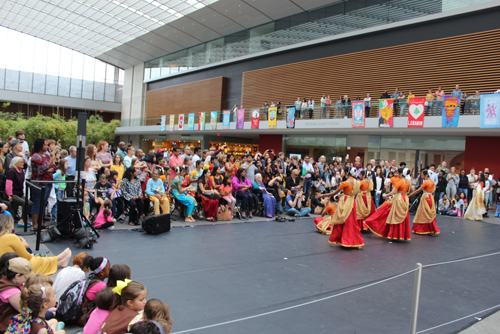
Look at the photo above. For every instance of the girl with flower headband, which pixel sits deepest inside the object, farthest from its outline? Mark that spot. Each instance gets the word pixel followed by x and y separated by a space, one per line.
pixel 345 227
pixel 99 268
pixel 392 219
pixel 35 301
pixel 130 298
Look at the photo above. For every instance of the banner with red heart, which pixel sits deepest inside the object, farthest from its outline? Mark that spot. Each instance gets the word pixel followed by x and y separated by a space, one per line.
pixel 416 114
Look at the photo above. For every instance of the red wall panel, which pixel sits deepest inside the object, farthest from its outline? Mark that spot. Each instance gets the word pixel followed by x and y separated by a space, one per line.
pixel 481 152
pixel 270 142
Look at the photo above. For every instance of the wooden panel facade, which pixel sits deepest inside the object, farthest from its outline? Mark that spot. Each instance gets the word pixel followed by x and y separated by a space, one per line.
pixel 470 60
pixel 198 96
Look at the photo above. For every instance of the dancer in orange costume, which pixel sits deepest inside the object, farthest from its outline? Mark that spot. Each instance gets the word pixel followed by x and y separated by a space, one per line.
pixel 345 228
pixel 365 206
pixel 324 223
pixel 425 219
pixel 392 220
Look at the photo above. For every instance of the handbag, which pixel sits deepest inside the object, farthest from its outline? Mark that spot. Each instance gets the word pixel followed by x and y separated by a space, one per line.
pixel 224 212
pixel 211 195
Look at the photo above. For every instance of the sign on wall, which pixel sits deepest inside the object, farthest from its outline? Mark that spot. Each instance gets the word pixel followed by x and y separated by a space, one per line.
pixel 201 121
pixel 180 125
pixel 240 120
pixel 171 125
pixel 213 120
pixel 163 123
pixel 272 117
pixel 255 118
pixel 226 118
pixel 385 113
pixel 490 111
pixel 451 111
pixel 191 122
pixel 416 112
pixel 290 117
pixel 358 114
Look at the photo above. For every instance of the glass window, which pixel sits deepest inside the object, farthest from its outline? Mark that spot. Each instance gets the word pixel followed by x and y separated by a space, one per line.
pixel 100 71
pixel 65 63
pixel 110 74
pixel 54 54
pixel 40 61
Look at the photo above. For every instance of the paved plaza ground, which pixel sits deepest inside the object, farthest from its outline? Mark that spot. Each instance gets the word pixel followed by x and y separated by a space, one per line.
pixel 283 274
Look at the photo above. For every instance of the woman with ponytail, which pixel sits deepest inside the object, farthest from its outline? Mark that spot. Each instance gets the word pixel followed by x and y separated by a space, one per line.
pixel 99 268
pixel 425 219
pixel 345 227
pixel 365 207
pixel 392 220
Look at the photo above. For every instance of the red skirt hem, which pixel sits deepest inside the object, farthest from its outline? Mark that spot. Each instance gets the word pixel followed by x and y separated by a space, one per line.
pixel 377 224
pixel 347 234
pixel 430 228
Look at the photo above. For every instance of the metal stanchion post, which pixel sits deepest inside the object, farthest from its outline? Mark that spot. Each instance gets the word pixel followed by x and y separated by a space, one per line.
pixel 416 298
pixel 25 213
pixel 40 218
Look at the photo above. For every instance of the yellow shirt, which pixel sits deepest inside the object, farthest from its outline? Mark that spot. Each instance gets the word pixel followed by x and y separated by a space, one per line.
pixel 120 169
pixel 429 97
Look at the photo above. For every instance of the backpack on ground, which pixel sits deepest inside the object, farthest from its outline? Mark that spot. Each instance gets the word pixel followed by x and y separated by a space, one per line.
pixel 69 309
pixel 21 324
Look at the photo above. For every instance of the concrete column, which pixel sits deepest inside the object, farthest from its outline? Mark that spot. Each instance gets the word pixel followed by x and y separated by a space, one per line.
pixel 134 96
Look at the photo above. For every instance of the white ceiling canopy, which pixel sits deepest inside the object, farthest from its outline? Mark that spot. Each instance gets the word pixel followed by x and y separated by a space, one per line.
pixel 128 32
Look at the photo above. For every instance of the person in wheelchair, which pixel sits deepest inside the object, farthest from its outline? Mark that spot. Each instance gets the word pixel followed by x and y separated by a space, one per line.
pixel 156 192
pixel 180 193
pixel 269 201
pixel 209 196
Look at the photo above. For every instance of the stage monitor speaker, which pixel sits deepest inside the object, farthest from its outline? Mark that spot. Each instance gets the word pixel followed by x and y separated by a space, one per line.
pixel 67 215
pixel 157 224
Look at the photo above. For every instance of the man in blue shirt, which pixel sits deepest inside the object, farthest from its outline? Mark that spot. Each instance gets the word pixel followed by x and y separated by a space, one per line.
pixel 395 97
pixel 294 205
pixel 71 171
pixel 122 149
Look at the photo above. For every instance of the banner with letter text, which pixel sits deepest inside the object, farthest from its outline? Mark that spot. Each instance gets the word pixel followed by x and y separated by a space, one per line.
pixel 180 124
pixel 358 114
pixel 226 118
pixel 201 121
pixel 490 111
pixel 240 120
pixel 191 122
pixel 272 117
pixel 385 113
pixel 163 123
pixel 416 112
pixel 171 125
pixel 290 117
pixel 451 111
pixel 255 118
pixel 213 120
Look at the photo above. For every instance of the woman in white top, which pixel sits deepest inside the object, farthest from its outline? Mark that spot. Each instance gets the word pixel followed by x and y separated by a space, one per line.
pixel 88 175
pixel 69 275
pixel 453 179
pixel 303 109
pixel 310 107
pixel 368 101
pixel 379 185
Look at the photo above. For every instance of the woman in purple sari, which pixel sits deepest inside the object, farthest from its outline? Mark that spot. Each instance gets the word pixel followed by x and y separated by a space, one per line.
pixel 269 200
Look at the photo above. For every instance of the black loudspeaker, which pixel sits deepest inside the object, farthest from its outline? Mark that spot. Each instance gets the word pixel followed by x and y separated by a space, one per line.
pixel 67 215
pixel 157 224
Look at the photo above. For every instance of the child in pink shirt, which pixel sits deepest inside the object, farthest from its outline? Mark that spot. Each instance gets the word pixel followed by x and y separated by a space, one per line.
pixel 104 303
pixel 104 218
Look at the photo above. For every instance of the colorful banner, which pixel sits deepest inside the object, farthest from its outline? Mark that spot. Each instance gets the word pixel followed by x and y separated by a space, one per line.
pixel 180 124
pixel 240 120
pixel 255 118
pixel 191 122
pixel 490 111
pixel 290 117
pixel 213 120
pixel 272 117
pixel 163 123
pixel 451 111
pixel 171 125
pixel 416 112
pixel 358 114
pixel 385 113
pixel 226 118
pixel 201 121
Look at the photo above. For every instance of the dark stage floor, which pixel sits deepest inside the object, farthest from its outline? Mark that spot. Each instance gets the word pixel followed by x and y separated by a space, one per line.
pixel 213 274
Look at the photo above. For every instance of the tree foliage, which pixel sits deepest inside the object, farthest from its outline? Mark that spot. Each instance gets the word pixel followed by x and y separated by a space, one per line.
pixel 57 128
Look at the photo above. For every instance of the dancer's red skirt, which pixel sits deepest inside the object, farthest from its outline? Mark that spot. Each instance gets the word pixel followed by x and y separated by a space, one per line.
pixel 318 220
pixel 376 224
pixel 347 234
pixel 430 228
pixel 372 211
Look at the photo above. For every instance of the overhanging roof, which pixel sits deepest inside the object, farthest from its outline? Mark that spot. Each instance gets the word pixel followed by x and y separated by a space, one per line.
pixel 128 32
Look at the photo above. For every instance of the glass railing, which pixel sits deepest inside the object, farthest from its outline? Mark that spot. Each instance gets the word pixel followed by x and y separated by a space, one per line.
pixel 469 106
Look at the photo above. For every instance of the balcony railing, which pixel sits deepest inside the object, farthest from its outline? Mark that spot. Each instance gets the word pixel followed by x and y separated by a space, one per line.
pixel 469 106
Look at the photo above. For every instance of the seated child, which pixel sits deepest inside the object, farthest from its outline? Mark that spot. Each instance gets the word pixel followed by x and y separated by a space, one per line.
pixel 104 302
pixel 157 311
pixel 104 218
